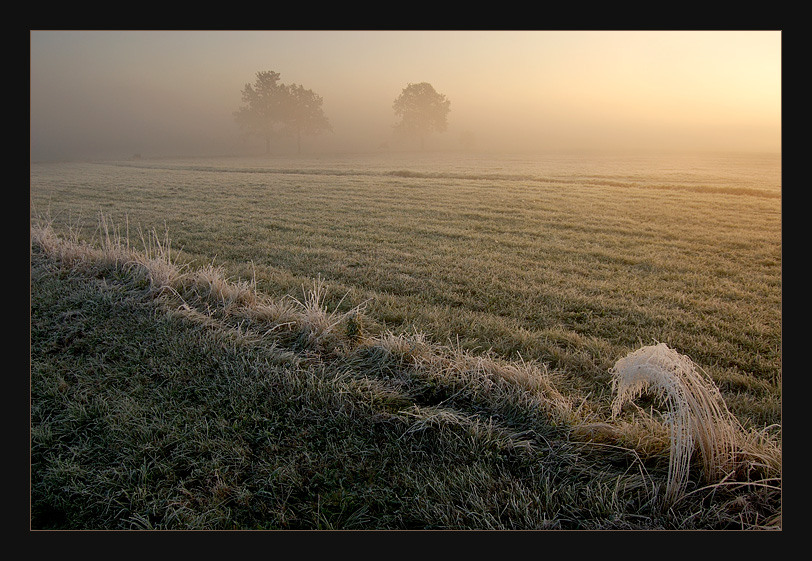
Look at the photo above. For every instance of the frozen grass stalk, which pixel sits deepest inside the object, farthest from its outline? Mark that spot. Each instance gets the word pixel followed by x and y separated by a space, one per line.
pixel 697 414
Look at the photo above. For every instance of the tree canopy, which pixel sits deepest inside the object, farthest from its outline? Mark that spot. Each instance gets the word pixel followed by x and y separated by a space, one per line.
pixel 271 107
pixel 421 110
pixel 306 115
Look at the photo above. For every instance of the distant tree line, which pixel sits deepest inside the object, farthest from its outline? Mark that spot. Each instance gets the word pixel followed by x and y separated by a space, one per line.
pixel 271 108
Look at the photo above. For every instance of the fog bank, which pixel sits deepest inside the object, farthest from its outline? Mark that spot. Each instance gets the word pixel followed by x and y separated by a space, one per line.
pixel 115 94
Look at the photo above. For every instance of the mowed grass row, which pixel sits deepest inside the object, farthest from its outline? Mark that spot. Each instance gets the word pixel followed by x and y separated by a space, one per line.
pixel 572 274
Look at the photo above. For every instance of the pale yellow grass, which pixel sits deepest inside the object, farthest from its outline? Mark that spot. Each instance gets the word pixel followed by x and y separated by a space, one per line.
pixel 697 416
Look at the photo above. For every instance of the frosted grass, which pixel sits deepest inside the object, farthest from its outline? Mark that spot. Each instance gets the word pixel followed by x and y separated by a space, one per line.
pixel 526 253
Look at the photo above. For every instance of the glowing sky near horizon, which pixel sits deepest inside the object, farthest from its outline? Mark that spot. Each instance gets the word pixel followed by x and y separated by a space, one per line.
pixel 115 93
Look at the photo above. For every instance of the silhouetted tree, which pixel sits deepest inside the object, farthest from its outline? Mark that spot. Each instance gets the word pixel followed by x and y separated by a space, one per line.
pixel 421 111
pixel 263 112
pixel 270 108
pixel 306 115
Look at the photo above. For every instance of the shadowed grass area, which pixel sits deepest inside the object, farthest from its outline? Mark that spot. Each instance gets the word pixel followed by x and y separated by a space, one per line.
pixel 167 396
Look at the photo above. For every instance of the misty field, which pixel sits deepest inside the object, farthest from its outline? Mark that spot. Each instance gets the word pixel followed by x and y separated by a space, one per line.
pixel 565 262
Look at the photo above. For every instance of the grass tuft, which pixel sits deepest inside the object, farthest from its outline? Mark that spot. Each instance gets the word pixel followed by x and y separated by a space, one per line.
pixel 697 415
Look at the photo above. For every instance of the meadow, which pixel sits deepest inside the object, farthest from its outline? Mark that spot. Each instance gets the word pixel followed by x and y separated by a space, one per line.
pixel 564 263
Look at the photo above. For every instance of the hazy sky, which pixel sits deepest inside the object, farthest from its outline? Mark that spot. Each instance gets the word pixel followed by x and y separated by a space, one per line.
pixel 164 93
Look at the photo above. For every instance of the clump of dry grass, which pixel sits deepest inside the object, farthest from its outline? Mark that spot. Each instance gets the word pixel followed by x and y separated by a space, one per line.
pixel 63 248
pixel 486 377
pixel 155 263
pixel 319 323
pixel 209 284
pixel 697 414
